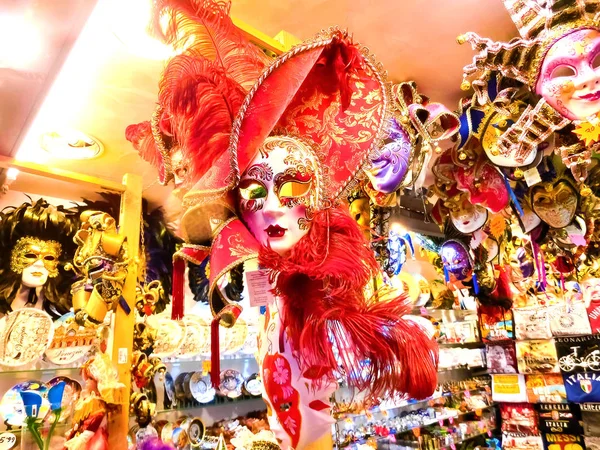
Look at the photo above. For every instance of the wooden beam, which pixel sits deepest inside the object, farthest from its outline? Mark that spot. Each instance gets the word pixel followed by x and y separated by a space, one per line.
pixel 121 342
pixel 259 38
pixel 61 174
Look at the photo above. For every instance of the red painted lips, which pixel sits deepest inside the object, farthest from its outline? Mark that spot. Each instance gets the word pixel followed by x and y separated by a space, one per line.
pixel 275 231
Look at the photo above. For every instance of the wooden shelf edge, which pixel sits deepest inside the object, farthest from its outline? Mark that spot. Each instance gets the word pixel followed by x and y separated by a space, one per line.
pixel 61 174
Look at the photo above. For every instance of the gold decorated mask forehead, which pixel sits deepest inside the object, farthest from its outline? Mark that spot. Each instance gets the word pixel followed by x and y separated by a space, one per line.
pixel 30 249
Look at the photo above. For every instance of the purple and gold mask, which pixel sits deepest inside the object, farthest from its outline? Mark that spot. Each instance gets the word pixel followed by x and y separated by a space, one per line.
pixel 456 260
pixel 390 165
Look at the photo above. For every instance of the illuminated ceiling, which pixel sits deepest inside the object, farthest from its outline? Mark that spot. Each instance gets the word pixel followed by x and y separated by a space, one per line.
pixel 110 78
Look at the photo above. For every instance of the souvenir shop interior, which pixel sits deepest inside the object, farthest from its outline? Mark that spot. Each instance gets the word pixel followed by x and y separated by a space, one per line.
pixel 316 225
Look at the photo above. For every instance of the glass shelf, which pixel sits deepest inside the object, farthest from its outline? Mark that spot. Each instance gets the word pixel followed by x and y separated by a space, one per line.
pixel 40 370
pixel 470 345
pixel 219 401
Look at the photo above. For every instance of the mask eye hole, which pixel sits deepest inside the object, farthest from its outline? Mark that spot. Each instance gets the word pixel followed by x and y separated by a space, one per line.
pixel 293 189
pixel 49 258
pixel 285 407
pixel 563 71
pixel 252 190
pixel 542 200
pixel 31 255
pixel 596 61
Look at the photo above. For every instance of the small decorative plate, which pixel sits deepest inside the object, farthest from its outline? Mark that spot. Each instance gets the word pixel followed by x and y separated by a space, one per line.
pixel 25 334
pixel 201 388
pixel 253 385
pixel 181 440
pixel 231 383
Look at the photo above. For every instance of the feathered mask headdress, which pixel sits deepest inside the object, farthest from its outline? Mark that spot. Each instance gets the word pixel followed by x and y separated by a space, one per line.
pixel 201 88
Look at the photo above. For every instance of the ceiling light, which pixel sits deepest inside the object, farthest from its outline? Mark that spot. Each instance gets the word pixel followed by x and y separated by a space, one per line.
pixel 129 22
pixel 70 144
pixel 22 44
pixel 12 174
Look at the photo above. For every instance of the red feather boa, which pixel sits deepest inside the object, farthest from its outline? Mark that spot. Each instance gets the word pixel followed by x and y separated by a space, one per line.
pixel 321 285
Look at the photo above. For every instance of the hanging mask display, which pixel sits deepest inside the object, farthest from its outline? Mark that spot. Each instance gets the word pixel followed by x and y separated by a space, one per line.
pixel 102 262
pixel 555 58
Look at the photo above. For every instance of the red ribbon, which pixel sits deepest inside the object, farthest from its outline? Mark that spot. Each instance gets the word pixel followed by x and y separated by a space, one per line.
pixel 215 354
pixel 178 281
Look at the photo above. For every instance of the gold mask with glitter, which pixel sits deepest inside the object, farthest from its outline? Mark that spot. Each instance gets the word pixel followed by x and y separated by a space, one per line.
pixel 29 250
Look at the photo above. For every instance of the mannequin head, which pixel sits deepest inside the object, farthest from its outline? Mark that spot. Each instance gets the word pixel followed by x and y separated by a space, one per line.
pixel 278 191
pixel 39 239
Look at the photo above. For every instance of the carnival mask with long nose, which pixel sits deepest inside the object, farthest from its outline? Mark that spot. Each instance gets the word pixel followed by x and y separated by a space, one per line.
pixel 569 79
pixel 278 191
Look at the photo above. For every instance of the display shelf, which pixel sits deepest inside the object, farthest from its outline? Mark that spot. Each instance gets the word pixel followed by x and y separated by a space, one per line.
pixel 474 344
pixel 456 368
pixel 219 401
pixel 224 358
pixel 450 447
pixel 439 419
pixel 58 370
pixel 407 403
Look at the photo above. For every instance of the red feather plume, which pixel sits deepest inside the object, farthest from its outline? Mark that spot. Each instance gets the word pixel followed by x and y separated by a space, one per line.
pixel 321 284
pixel 201 103
pixel 204 26
pixel 140 135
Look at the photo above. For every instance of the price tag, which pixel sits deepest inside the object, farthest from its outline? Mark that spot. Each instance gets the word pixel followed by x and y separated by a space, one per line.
pixel 451 420
pixel 479 412
pixel 369 415
pixel 532 176
pixel 453 447
pixel 259 288
pixel 385 413
pixel 489 433
pixel 349 421
pixel 122 356
pixel 7 440
pixel 416 432
pixel 206 366
pixel 577 239
pixel 467 394
pixel 441 422
pixel 424 311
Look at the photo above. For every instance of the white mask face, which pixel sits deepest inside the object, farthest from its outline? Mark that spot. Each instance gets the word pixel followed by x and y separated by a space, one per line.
pixel 277 191
pixel 468 218
pixel 35 275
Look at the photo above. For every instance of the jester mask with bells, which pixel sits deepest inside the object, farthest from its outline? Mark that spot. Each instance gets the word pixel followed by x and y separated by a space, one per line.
pixel 557 58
